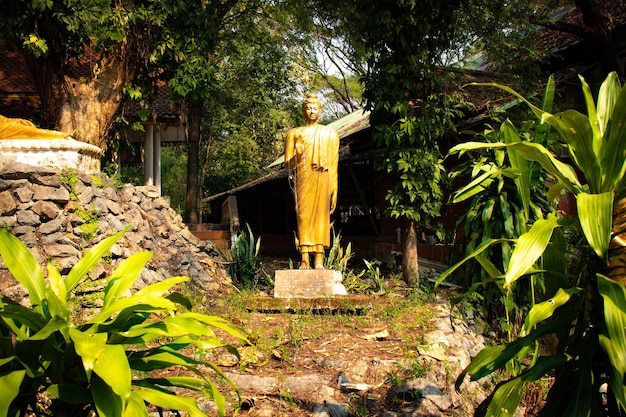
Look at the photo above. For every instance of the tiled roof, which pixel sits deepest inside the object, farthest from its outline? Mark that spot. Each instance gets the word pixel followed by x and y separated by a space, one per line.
pixel 18 96
pixel 165 112
pixel 555 40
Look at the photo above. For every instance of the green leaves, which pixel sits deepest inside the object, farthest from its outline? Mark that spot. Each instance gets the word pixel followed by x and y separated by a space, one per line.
pixel 9 389
pixel 530 246
pixel 586 311
pixel 93 365
pixel 595 212
pixel 613 339
pixel 23 267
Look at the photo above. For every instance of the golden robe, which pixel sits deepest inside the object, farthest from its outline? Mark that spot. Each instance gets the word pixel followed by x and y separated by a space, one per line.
pixel 313 152
pixel 23 129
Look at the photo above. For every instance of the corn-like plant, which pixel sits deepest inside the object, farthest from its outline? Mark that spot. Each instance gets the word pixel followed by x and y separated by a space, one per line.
pixel 587 308
pixel 115 363
pixel 338 257
pixel 244 258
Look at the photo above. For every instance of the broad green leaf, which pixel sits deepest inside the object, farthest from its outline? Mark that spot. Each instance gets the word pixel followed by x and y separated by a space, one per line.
pixel 56 307
pixel 188 382
pixel 484 245
pixel 124 276
pixel 488 266
pixel 161 358
pixel 6 360
pixel 493 358
pixel 595 212
pixel 530 246
pixel 57 284
pixel 179 298
pixel 204 343
pixel 505 399
pixel 142 302
pixel 107 403
pixel 575 129
pixel 613 158
pixel 71 394
pixel 171 401
pixel 54 325
pixel 136 407
pixel 533 152
pixel 555 191
pixel 498 403
pixel 597 127
pixel 545 309
pixel 518 162
pixel 548 95
pixel 562 171
pixel 161 287
pixel 607 101
pixel 9 389
pixel 172 326
pixel 16 316
pixel 614 343
pixel 112 366
pixel 90 259
pixel 23 266
pixel 218 322
pixel 87 347
pixel 555 264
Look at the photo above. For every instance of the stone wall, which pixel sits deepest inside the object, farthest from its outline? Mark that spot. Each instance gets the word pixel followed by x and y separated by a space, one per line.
pixel 59 214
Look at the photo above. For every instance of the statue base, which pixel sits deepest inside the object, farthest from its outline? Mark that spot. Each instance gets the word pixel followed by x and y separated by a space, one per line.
pixel 308 283
pixel 51 153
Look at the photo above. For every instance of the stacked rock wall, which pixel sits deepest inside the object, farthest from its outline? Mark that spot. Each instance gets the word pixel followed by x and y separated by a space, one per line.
pixel 60 214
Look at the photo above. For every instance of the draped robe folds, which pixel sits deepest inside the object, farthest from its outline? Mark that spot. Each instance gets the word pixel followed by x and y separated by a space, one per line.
pixel 313 151
pixel 23 129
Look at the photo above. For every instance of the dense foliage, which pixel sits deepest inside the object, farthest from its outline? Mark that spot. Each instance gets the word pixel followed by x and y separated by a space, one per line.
pixel 584 304
pixel 505 193
pixel 57 363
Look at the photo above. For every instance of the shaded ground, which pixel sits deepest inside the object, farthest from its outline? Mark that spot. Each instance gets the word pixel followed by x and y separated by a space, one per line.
pixel 334 341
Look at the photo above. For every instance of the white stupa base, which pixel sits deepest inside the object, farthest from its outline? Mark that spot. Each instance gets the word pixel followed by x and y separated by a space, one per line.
pixel 53 153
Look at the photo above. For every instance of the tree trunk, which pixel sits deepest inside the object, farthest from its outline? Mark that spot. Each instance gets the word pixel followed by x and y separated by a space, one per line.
pixel 194 118
pixel 600 36
pixel 410 257
pixel 82 96
pixel 617 248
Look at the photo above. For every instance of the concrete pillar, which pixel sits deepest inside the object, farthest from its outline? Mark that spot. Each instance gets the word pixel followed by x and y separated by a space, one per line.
pixel 148 155
pixel 157 157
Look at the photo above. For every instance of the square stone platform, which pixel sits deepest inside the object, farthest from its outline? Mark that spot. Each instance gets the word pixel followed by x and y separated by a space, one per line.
pixel 307 283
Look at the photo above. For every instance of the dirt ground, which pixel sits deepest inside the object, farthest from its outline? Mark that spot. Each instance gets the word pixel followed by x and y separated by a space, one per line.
pixel 294 339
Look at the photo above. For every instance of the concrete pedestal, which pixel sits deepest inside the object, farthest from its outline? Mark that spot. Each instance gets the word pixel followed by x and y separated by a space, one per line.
pixel 53 153
pixel 307 283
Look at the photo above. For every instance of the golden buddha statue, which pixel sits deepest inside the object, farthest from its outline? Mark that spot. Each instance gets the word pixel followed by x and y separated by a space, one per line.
pixel 13 128
pixel 312 153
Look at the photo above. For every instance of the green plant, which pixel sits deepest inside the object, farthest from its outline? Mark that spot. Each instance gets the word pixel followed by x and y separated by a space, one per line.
pixel 373 273
pixel 90 226
pixel 583 278
pixel 338 257
pixel 113 363
pixel 243 258
pixel 111 171
pixel 69 178
pixel 505 193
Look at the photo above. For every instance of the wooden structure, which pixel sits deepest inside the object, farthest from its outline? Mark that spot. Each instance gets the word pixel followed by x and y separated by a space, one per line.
pixel 267 204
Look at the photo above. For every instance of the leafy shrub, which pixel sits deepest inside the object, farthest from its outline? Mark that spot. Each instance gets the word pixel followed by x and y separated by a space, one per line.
pixel 338 257
pixel 244 258
pixel 114 363
pixel 583 277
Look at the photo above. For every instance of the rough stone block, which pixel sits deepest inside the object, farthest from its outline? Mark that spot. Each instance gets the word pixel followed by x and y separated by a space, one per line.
pixel 307 283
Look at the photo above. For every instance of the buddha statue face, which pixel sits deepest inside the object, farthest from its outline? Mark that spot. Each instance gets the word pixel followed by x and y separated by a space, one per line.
pixel 311 108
